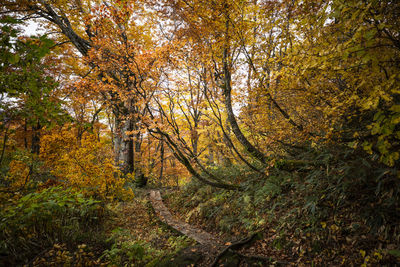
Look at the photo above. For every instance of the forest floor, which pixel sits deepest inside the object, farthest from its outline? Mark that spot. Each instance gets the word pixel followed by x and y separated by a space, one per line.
pixel 306 217
pixel 208 245
pixel 287 235
pixel 165 215
pixel 136 229
pixel 146 219
pixel 271 223
pixel 147 215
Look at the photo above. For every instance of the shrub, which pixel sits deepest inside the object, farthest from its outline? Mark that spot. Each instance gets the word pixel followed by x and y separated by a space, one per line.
pixel 86 165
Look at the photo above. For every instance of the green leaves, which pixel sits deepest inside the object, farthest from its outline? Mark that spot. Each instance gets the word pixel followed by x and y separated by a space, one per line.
pixel 394 252
pixel 25 78
pixel 42 217
pixel 14 59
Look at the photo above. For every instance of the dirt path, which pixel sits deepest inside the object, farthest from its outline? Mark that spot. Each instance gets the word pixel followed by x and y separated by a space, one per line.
pixel 165 215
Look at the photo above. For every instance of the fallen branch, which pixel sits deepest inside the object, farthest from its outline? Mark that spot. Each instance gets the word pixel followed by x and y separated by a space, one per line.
pixel 239 244
pixel 235 245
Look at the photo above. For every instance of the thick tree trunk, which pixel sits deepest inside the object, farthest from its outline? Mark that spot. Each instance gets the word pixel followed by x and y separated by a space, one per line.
pixel 126 148
pixel 137 164
pixel 117 144
pixel 195 142
pixel 123 146
pixel 130 160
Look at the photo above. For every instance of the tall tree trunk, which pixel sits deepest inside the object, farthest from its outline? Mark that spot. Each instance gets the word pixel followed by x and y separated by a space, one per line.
pixel 126 148
pixel 195 140
pixel 117 141
pixel 130 160
pixel 26 134
pixel 3 149
pixel 35 144
pixel 123 146
pixel 231 116
pixel 228 100
pixel 161 160
pixel 138 156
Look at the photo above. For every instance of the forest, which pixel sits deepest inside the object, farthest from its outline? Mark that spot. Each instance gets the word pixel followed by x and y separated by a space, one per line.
pixel 199 133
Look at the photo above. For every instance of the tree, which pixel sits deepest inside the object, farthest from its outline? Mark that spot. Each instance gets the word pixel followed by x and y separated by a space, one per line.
pixel 264 72
pixel 106 37
pixel 27 90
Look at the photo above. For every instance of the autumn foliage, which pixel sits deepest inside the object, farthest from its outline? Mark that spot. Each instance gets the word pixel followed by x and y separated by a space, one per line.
pixel 87 164
pixel 120 94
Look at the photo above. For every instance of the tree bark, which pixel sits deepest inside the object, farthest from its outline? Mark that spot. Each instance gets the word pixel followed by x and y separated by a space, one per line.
pixel 124 155
pixel 35 142
pixel 161 160
pixel 227 90
pixel 3 149
pixel 231 116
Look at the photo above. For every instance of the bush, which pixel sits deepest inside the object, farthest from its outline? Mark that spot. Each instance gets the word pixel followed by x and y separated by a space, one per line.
pixel 127 249
pixel 21 170
pixel 38 220
pixel 87 165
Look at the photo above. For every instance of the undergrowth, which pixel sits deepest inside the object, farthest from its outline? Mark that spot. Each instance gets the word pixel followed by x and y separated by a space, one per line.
pixel 138 238
pixel 51 221
pixel 335 206
pixel 62 227
pixel 127 250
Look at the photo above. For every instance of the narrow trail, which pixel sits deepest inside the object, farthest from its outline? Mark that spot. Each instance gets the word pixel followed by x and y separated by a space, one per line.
pixel 211 249
pixel 165 215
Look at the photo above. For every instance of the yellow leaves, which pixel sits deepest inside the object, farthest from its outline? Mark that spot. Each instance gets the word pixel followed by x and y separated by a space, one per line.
pixel 370 103
pixel 18 173
pixel 334 227
pixel 390 158
pixel 378 255
pixel 366 258
pixel 88 165
pixel 367 146
pixel 395 108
